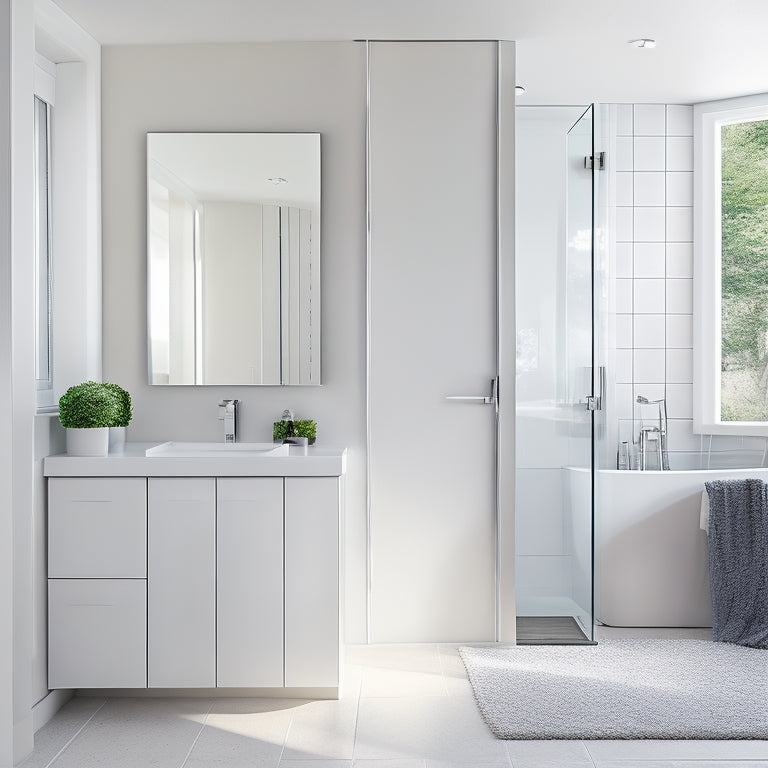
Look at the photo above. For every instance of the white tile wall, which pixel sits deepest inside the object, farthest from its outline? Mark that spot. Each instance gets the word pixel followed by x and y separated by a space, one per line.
pixel 654 265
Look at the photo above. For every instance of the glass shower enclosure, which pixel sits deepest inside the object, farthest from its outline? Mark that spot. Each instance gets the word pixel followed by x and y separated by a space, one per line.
pixel 558 381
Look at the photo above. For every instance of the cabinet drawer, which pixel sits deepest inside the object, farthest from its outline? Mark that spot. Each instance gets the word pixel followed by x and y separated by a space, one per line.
pixel 97 631
pixel 97 527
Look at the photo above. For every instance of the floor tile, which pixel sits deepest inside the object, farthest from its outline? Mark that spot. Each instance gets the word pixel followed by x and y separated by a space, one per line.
pixel 671 750
pixel 322 729
pixel 133 733
pixel 315 764
pixel 388 763
pixel 571 751
pixel 243 732
pixel 438 728
pixel 56 734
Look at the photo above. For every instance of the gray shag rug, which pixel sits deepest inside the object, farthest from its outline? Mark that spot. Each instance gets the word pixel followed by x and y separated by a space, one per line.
pixel 622 689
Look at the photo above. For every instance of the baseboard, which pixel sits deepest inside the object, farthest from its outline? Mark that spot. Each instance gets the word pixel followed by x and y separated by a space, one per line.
pixel 47 707
pixel 214 693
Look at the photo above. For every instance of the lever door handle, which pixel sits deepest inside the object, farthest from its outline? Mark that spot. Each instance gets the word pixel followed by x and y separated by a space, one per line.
pixel 492 399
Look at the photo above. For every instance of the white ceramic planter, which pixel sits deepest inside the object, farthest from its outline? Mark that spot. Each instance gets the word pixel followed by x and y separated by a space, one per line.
pixel 117 439
pixel 88 442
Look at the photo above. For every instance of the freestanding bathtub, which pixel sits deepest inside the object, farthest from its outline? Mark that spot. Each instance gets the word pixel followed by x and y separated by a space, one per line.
pixel 651 556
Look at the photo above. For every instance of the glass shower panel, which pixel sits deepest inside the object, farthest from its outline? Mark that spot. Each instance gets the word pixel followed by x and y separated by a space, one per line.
pixel 554 312
pixel 578 369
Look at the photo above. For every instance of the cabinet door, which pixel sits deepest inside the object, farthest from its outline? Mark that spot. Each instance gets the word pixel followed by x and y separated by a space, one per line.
pixel 97 633
pixel 312 636
pixel 97 527
pixel 250 581
pixel 181 582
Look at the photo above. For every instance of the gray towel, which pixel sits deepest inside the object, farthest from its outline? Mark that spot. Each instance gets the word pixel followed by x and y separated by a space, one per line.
pixel 738 561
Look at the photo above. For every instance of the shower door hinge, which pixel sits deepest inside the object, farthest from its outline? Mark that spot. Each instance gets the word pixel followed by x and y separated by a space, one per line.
pixel 589 163
pixel 593 403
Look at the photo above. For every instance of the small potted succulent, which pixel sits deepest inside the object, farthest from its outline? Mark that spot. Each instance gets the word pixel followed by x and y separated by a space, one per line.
pixel 87 411
pixel 123 417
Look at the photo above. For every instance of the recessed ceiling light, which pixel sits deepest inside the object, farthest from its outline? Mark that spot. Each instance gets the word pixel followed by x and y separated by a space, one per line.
pixel 519 90
pixel 277 180
pixel 643 42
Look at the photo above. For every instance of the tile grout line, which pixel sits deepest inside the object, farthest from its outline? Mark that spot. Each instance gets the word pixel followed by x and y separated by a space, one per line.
pixel 199 733
pixel 79 731
pixel 357 710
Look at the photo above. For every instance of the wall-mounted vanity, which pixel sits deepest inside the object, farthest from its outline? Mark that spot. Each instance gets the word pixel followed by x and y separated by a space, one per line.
pixel 233 258
pixel 178 571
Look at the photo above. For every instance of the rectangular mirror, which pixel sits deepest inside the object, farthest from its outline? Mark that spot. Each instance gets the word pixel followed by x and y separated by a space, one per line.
pixel 233 258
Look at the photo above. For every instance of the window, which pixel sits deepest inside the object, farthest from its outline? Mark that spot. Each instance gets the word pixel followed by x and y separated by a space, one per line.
pixel 731 274
pixel 43 269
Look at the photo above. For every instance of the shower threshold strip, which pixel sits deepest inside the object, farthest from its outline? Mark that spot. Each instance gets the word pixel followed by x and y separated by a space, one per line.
pixel 550 630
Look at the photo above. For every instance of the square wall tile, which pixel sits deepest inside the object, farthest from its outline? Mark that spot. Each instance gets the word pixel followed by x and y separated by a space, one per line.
pixel 623 401
pixel 679 120
pixel 623 366
pixel 679 366
pixel 624 225
pixel 624 302
pixel 649 154
pixel 624 120
pixel 649 260
pixel 680 296
pixel 649 297
pixel 624 193
pixel 649 225
pixel 649 188
pixel 679 188
pixel 679 331
pixel 679 225
pixel 624 331
pixel 681 436
pixel 626 431
pixel 680 401
pixel 680 153
pixel 679 259
pixel 624 153
pixel 648 365
pixel 623 259
pixel 650 120
pixel 649 331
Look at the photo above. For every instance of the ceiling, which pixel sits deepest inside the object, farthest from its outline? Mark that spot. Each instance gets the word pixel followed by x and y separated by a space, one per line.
pixel 569 51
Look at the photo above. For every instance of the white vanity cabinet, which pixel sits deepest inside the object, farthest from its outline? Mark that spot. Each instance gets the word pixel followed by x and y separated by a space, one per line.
pixel 97 585
pixel 181 582
pixel 192 582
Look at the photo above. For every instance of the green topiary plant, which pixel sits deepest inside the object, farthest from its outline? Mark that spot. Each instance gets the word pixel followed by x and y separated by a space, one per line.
pixel 124 411
pixel 305 428
pixel 89 405
pixel 282 430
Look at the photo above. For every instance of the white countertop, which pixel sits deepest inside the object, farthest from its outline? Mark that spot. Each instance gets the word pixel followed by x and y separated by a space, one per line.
pixel 312 461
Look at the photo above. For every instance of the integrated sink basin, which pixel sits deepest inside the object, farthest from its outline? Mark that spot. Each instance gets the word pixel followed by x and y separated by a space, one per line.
pixel 217 450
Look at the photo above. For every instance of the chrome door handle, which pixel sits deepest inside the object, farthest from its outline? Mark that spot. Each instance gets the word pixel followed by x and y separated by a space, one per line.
pixel 491 399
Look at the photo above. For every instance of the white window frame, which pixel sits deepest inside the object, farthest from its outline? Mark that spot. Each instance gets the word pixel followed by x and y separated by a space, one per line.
pixel 45 90
pixel 707 331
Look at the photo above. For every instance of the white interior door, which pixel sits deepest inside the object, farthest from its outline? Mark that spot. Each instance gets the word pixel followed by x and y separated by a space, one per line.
pixel 433 320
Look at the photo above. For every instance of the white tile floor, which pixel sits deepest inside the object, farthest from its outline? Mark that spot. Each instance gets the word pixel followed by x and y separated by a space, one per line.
pixel 404 706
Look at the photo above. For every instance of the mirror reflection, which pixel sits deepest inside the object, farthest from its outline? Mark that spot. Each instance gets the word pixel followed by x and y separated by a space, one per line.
pixel 233 223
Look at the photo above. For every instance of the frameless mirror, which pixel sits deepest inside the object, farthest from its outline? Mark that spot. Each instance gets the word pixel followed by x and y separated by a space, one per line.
pixel 233 258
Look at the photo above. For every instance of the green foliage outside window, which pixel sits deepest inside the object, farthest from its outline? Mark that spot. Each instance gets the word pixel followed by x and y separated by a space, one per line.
pixel 744 352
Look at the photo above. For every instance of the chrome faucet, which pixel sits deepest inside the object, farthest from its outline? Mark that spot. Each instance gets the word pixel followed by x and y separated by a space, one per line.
pixel 228 414
pixel 653 435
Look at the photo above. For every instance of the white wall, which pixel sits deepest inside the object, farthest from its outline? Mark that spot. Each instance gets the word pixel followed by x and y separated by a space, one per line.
pixel 249 87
